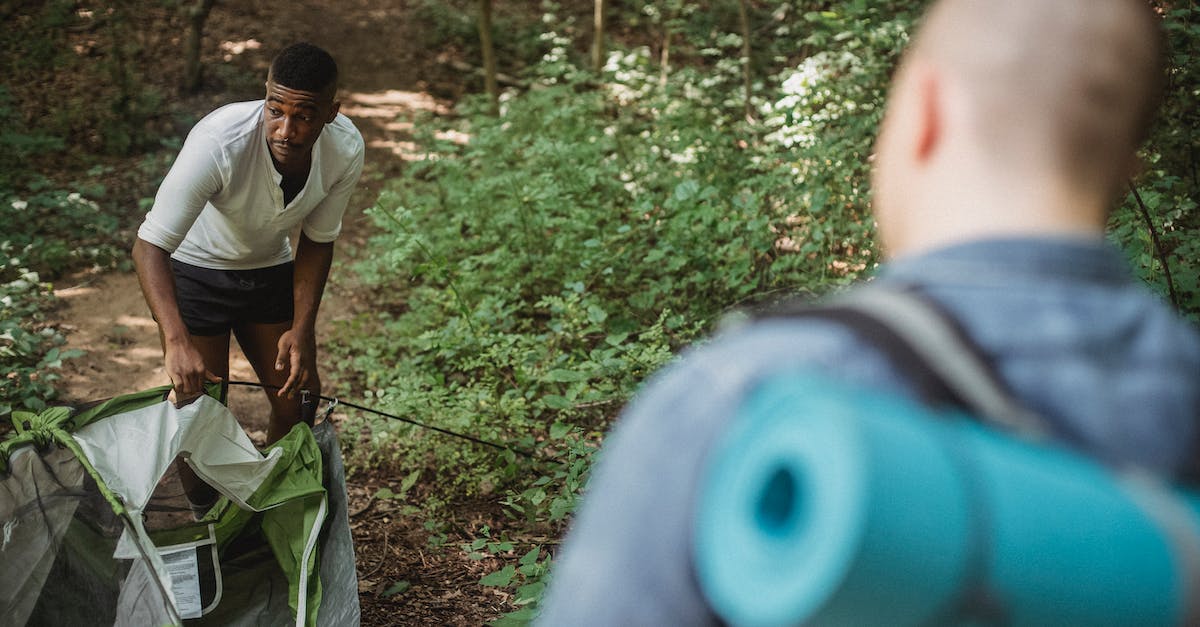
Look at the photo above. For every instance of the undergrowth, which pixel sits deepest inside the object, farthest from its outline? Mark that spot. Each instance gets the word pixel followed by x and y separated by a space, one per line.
pixel 529 280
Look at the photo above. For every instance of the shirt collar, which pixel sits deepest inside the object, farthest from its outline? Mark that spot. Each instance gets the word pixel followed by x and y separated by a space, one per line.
pixel 1083 259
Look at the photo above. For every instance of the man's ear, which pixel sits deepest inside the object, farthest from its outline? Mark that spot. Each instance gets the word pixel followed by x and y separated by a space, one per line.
pixel 333 110
pixel 930 116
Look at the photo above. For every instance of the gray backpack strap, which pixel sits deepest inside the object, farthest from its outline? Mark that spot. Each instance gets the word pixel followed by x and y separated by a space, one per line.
pixel 926 344
pixel 938 341
pixel 1177 521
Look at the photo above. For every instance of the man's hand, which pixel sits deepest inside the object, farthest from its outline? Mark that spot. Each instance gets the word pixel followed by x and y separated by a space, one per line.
pixel 182 360
pixel 298 355
pixel 185 367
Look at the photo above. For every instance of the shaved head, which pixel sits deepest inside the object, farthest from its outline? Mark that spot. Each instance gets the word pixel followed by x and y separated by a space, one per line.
pixel 1014 117
pixel 1072 83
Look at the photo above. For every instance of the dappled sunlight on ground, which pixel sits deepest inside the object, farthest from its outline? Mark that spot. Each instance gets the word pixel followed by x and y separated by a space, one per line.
pixel 394 100
pixel 137 321
pixel 391 113
pixel 230 49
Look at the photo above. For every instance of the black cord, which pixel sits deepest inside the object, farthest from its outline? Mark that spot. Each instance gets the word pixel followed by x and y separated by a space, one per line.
pixel 469 438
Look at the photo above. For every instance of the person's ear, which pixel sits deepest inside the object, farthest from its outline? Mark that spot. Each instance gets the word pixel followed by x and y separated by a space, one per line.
pixel 929 116
pixel 333 110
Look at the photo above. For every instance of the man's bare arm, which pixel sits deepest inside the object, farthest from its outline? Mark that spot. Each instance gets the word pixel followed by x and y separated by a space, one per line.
pixel 183 363
pixel 298 346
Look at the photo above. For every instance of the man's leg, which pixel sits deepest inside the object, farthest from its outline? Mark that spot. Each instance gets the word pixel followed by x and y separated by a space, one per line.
pixel 260 343
pixel 214 349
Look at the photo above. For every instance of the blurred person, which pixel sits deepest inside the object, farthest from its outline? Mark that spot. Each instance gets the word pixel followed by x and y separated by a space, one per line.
pixel 1011 127
pixel 213 255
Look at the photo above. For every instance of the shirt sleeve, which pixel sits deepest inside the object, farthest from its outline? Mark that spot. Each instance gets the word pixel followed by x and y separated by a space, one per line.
pixel 194 178
pixel 324 223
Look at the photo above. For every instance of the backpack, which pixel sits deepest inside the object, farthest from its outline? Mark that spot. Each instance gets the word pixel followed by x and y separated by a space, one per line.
pixel 829 504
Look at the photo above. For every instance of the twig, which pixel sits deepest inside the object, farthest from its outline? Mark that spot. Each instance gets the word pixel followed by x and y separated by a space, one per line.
pixel 381 559
pixel 1158 249
pixel 607 401
pixel 370 502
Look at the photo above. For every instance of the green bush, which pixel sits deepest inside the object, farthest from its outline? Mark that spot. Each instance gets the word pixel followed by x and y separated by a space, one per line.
pixel 62 231
pixel 30 351
pixel 1167 190
pixel 530 279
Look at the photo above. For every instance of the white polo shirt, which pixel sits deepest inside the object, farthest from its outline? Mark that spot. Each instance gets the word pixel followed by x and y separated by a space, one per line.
pixel 221 207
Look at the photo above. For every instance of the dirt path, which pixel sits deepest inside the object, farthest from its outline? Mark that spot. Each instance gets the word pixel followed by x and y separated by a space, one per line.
pixel 386 77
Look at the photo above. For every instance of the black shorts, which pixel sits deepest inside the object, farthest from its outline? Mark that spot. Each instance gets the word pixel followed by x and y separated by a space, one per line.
pixel 213 302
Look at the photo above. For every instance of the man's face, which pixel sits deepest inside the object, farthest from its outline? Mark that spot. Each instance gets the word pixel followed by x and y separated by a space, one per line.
pixel 294 120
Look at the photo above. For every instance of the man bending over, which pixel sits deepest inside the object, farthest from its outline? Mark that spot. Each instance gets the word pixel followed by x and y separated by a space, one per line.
pixel 213 255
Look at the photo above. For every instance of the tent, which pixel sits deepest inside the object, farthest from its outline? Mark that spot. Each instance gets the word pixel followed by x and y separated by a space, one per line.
pixel 96 528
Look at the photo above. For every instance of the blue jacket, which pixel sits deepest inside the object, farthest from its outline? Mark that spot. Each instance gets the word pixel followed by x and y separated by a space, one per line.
pixel 1112 369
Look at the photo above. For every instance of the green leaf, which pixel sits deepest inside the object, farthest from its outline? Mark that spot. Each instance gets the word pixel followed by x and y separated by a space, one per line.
pixel 554 401
pixel 596 314
pixel 529 593
pixel 409 481
pixel 396 588
pixel 519 618
pixel 531 557
pixel 535 495
pixel 615 339
pixel 558 430
pixel 385 493
pixel 560 375
pixel 500 578
pixel 686 191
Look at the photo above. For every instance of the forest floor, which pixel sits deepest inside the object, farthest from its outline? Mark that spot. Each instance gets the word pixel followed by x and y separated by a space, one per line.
pixel 388 79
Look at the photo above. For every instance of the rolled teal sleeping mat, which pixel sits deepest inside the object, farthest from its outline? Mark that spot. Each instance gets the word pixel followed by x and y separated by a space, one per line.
pixel 829 505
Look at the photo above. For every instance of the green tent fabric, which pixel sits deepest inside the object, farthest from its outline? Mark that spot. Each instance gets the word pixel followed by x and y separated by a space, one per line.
pixel 82 502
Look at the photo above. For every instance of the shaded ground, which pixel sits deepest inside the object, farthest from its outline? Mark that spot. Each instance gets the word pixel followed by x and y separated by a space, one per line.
pixel 387 79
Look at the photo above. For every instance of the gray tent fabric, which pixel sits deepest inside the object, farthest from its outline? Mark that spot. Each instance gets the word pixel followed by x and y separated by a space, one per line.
pixel 59 535
pixel 339 573
pixel 95 527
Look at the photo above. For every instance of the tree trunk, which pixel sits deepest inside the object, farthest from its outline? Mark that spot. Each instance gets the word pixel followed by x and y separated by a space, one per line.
pixel 489 54
pixel 664 58
pixel 195 14
pixel 598 37
pixel 744 17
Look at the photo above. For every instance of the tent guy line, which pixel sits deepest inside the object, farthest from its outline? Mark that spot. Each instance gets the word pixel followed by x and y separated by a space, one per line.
pixel 470 438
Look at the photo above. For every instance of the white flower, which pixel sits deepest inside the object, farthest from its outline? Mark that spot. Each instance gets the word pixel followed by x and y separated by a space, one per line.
pixel 19 205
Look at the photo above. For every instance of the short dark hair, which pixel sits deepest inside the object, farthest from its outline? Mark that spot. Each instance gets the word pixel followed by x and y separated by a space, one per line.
pixel 304 67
